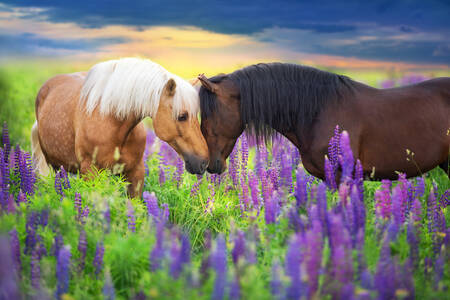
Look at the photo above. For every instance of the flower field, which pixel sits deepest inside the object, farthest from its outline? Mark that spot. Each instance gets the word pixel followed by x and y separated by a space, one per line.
pixel 265 229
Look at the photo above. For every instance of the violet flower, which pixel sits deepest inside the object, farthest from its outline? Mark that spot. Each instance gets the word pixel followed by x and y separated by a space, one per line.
pixel 82 247
pixel 293 262
pixel 15 250
pixel 35 269
pixel 239 247
pixel 98 259
pixel 301 188
pixel 131 217
pixel 219 264
pixel 346 159
pixel 62 272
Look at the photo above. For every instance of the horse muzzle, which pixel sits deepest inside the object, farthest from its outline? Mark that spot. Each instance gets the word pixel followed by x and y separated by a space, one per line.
pixel 195 164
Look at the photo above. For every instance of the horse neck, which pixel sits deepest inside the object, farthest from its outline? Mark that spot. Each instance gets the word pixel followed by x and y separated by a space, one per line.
pixel 126 127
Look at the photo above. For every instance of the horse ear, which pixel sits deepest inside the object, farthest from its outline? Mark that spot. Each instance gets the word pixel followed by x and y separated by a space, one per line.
pixel 207 84
pixel 170 87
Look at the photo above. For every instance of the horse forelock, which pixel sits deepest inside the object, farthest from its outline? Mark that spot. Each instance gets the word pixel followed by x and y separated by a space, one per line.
pixel 133 86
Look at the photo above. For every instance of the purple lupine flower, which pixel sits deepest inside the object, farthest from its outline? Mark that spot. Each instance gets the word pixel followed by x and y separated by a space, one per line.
pixel 344 192
pixel 329 175
pixel 28 179
pixel 244 153
pixel 359 212
pixel 43 217
pixel 21 197
pixel 206 259
pixel 235 289
pixel 64 178
pixel 261 160
pixel 293 262
pixel 398 205
pixel 131 218
pixel 82 247
pixel 9 288
pixel 439 268
pixel 322 204
pixel 413 244
pixel 301 188
pixel 385 274
pixel 383 200
pixel 334 148
pixel 157 253
pixel 412 79
pixel 416 211
pixel 58 186
pixel 267 189
pixel 359 179
pixel 239 247
pixel 152 204
pixel 346 158
pixel 295 222
pixel 15 250
pixel 219 264
pixel 196 186
pixel 57 245
pixel 4 170
pixel 108 288
pixel 11 207
pixel 340 245
pixel 30 228
pixel 98 258
pixel 174 253
pixel 313 255
pixel 233 166
pixel 286 172
pixel 62 272
pixel 107 217
pixel 271 209
pixel 185 253
pixel 431 209
pixel 179 171
pixel 35 269
pixel 78 205
pixel 274 176
pixel 275 283
pixel 84 215
pixel 254 189
pixel 6 142
pixel 419 188
pixel 244 197
pixel 444 201
pixel 367 280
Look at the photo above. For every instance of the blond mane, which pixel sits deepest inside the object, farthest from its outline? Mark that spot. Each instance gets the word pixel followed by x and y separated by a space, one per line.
pixel 134 86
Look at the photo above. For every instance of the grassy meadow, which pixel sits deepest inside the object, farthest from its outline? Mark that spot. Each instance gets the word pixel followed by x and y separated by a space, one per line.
pixel 263 230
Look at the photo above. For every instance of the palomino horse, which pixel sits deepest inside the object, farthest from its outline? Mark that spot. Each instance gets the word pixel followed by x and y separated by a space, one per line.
pixel 94 119
pixel 305 104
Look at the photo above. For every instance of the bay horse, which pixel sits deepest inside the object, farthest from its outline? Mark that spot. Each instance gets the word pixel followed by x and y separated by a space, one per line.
pixel 305 104
pixel 94 119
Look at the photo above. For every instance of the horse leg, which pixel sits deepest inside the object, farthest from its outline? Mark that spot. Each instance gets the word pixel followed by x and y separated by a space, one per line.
pixel 136 178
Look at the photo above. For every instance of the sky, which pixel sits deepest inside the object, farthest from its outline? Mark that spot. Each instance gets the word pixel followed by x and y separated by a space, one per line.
pixel 222 35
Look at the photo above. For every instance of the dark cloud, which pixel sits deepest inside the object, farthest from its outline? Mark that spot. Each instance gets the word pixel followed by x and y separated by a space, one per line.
pixel 323 21
pixel 31 44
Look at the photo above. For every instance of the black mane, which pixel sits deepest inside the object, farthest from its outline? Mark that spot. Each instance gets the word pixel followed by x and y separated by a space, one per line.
pixel 281 96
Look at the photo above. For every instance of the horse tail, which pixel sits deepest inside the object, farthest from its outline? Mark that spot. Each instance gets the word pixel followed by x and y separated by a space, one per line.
pixel 39 162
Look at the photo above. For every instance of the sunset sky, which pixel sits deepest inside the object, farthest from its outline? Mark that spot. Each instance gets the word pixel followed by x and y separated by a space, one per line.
pixel 219 36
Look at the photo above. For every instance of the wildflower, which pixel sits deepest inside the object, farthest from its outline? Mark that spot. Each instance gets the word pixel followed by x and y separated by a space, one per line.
pixel 57 245
pixel 35 269
pixel 233 165
pixel 398 205
pixel 413 244
pixel 21 197
pixel 196 186
pixel 179 171
pixel 271 209
pixel 419 188
pixel 346 158
pixel 383 200
pixel 8 277
pixel 108 288
pixel 131 217
pixel 301 192
pixel 313 255
pixel 15 250
pixel 175 250
pixel 219 264
pixel 254 190
pixel 64 178
pixel 329 174
pixel 157 254
pixel 62 272
pixel 239 247
pixel 293 261
pixel 295 222
pixel 98 259
pixel 82 247
pixel 235 289
pixel 78 205
pixel 30 228
pixel 334 148
pixel 6 142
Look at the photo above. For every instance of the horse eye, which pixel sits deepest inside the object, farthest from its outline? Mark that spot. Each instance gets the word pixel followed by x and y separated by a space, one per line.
pixel 183 117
